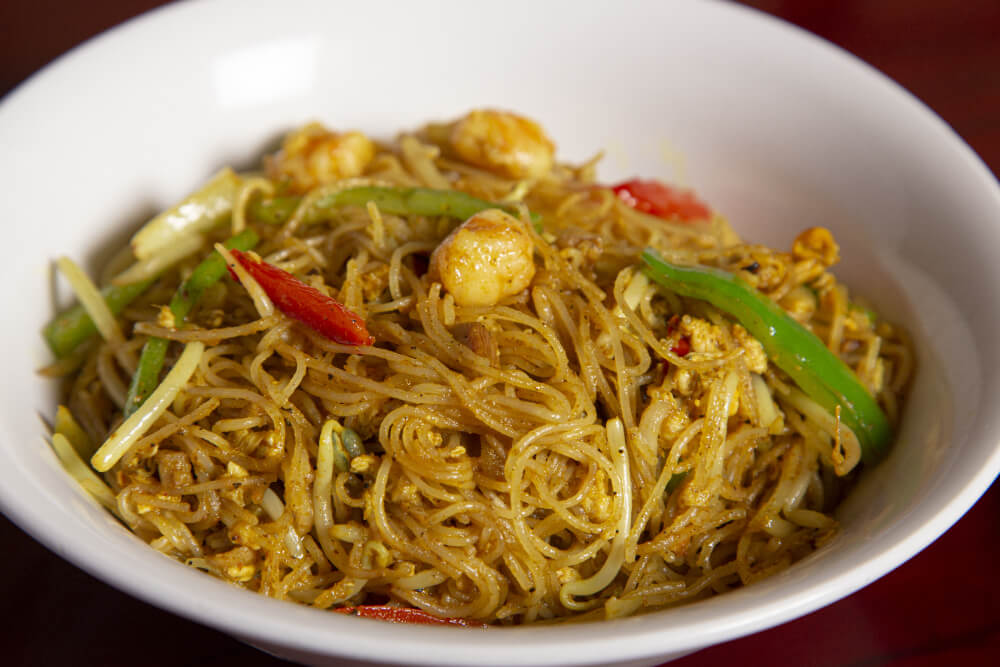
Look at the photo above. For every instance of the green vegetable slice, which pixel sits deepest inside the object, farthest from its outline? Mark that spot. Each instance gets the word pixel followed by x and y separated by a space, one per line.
pixel 821 375
pixel 396 201
pixel 154 351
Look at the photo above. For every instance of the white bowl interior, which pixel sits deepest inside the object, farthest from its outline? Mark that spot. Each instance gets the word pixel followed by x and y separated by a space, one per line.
pixel 777 129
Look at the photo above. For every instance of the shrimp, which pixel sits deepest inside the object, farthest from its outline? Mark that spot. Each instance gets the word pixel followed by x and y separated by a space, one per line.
pixel 504 143
pixel 313 155
pixel 487 258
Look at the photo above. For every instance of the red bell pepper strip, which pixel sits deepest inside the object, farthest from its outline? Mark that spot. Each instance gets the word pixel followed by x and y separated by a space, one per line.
pixel 306 304
pixel 662 200
pixel 405 615
pixel 683 345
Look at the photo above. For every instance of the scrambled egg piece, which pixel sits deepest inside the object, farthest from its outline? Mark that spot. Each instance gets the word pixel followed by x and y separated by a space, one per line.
pixel 753 350
pixel 375 282
pixel 702 334
pixel 816 243
pixel 238 564
pixel 597 503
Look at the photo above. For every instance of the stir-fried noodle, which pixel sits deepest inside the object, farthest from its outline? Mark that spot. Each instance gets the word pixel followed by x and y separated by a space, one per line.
pixel 538 430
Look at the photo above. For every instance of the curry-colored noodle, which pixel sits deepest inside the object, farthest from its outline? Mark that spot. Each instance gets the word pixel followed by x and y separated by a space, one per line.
pixel 538 431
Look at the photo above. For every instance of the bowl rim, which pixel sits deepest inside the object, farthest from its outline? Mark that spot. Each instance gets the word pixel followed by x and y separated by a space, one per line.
pixel 639 637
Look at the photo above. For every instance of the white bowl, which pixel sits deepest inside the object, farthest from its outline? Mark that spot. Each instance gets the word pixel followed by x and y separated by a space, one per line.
pixel 778 130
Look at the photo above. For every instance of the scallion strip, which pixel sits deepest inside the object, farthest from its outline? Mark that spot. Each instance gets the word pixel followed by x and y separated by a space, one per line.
pixel 74 326
pixel 136 426
pixel 154 352
pixel 396 201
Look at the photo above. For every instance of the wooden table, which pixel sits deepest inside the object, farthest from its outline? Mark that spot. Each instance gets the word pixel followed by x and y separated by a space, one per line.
pixel 941 608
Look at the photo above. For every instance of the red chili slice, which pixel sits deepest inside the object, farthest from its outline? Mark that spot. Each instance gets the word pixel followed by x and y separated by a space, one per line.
pixel 306 304
pixel 405 615
pixel 661 200
pixel 681 347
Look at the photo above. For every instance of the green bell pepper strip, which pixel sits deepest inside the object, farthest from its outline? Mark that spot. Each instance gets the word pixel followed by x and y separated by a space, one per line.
pixel 154 351
pixel 396 201
pixel 71 328
pixel 793 348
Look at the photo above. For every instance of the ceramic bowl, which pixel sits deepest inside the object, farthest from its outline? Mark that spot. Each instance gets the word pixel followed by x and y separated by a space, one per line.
pixel 776 128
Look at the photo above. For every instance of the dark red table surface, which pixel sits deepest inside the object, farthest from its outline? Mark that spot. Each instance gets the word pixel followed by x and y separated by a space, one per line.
pixel 940 608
